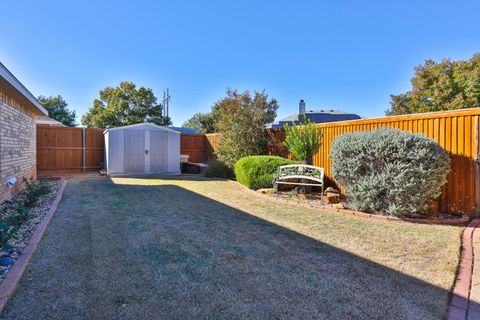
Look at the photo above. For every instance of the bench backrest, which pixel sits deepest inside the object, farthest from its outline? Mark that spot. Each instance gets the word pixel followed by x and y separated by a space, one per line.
pixel 300 171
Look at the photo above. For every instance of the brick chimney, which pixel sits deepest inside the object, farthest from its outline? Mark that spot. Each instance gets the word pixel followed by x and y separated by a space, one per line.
pixel 301 109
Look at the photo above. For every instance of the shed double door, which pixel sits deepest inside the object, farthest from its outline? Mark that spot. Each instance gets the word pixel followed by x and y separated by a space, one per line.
pixel 145 151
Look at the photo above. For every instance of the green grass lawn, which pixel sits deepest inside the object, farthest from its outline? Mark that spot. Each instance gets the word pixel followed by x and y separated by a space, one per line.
pixel 185 248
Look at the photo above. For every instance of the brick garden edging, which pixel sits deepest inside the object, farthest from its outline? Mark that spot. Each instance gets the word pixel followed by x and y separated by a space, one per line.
pixel 9 284
pixel 461 304
pixel 442 221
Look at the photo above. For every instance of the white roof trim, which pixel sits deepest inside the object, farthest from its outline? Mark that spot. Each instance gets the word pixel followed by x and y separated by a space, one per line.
pixel 144 124
pixel 10 78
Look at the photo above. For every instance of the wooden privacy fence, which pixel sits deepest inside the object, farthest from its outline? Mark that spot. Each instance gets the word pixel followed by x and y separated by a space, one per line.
pixel 82 149
pixel 199 147
pixel 456 131
pixel 69 149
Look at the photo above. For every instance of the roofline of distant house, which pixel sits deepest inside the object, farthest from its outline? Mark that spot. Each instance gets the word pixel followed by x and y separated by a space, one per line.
pixel 14 82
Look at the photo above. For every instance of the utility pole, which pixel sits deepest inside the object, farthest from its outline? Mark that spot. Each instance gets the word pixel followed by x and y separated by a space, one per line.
pixel 166 103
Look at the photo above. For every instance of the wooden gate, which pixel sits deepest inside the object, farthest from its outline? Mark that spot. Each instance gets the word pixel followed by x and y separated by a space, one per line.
pixel 69 149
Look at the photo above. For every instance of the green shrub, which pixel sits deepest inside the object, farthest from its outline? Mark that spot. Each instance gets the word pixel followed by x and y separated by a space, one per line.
pixel 218 169
pixel 303 141
pixel 257 172
pixel 240 118
pixel 34 189
pixel 390 171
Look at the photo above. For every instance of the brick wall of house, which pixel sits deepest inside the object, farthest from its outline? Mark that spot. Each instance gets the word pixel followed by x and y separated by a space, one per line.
pixel 18 153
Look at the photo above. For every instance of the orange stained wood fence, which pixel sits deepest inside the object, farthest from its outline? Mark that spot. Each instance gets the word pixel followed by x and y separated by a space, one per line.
pixel 458 132
pixel 199 147
pixel 69 149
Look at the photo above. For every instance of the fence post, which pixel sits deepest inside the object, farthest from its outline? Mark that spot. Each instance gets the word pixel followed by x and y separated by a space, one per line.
pixel 476 175
pixel 83 149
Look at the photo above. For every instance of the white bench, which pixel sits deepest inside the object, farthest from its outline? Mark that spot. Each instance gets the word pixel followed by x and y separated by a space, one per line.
pixel 307 174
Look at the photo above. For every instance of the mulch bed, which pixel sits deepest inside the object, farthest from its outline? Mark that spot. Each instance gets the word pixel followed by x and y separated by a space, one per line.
pixel 19 235
pixel 345 207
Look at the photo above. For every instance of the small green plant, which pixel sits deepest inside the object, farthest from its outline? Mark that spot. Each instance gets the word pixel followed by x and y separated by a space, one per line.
pixel 218 169
pixel 257 172
pixel 16 218
pixel 33 190
pixel 390 171
pixel 303 141
pixel 6 231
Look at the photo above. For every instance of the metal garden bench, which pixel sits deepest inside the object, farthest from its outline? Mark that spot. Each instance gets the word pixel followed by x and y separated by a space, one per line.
pixel 298 174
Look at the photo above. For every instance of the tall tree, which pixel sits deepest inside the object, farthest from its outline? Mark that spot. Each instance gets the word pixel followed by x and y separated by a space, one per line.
pixel 57 109
pixel 240 119
pixel 446 85
pixel 203 122
pixel 124 105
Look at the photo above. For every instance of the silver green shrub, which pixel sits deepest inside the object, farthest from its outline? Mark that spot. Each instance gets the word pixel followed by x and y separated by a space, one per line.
pixel 389 171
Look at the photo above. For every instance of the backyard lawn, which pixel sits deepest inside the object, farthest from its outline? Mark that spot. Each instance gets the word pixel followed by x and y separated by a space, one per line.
pixel 190 247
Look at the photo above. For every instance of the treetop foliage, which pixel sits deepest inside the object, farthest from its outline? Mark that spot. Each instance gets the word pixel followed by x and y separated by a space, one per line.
pixel 57 109
pixel 446 85
pixel 240 119
pixel 124 105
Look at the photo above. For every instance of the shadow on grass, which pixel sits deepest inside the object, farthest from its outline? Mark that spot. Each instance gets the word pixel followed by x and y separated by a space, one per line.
pixel 164 252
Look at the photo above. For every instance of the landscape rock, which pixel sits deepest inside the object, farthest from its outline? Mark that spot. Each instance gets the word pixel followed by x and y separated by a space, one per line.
pixel 14 246
pixel 331 198
pixel 332 190
pixel 6 261
pixel 265 190
pixel 339 206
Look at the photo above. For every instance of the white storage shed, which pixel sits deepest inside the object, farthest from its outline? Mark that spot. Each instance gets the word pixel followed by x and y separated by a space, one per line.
pixel 142 148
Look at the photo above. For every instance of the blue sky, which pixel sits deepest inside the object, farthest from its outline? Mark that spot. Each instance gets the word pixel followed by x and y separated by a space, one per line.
pixel 348 55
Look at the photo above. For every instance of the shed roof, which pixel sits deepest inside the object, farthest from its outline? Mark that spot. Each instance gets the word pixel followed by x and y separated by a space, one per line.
pixel 145 125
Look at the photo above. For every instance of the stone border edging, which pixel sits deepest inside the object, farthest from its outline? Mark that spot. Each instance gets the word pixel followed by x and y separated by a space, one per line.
pixel 440 221
pixel 10 283
pixel 460 299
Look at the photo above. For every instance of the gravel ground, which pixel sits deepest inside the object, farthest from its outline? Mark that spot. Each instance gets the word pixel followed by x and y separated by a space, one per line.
pixel 21 236
pixel 193 248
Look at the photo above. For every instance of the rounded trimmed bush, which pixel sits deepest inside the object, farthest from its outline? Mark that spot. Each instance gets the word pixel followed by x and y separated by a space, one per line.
pixel 257 172
pixel 390 171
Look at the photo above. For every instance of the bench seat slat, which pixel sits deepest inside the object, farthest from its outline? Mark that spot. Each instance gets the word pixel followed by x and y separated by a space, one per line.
pixel 298 177
pixel 300 184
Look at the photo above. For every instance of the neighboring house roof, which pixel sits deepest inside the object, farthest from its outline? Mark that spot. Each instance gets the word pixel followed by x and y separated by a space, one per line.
pixel 17 90
pixel 185 130
pixel 316 116
pixel 140 126
pixel 48 121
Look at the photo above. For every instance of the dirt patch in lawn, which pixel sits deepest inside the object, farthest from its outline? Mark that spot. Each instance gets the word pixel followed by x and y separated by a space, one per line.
pixel 199 248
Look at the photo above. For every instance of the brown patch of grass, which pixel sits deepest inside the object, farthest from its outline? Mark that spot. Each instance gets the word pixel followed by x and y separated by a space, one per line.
pixel 200 248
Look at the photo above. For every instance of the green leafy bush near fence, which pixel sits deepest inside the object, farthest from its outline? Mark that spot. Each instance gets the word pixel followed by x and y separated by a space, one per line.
pixel 257 172
pixel 219 169
pixel 304 140
pixel 389 171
